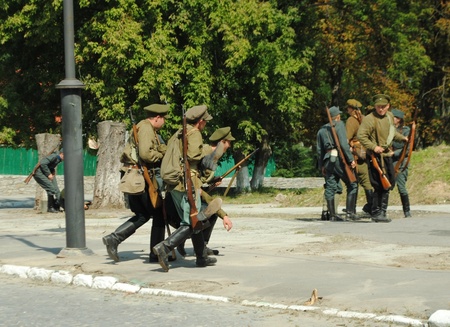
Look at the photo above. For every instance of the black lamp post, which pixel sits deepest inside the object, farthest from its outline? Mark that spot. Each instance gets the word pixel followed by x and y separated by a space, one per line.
pixel 73 145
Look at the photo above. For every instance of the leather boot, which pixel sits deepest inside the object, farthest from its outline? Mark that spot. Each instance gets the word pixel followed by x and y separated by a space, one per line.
pixel 332 211
pixel 56 205
pixel 376 205
pixel 405 204
pixel 51 204
pixel 157 235
pixel 351 207
pixel 384 201
pixel 369 198
pixel 207 235
pixel 181 250
pixel 200 251
pixel 113 240
pixel 163 248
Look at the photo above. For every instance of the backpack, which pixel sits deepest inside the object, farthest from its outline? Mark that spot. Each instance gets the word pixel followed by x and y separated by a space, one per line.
pixel 171 164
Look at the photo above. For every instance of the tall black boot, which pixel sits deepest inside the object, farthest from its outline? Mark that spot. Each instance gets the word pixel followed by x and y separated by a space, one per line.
pixel 376 204
pixel 200 251
pixel 51 204
pixel 351 207
pixel 382 216
pixel 367 208
pixel 157 235
pixel 163 248
pixel 207 235
pixel 405 204
pixel 332 211
pixel 113 240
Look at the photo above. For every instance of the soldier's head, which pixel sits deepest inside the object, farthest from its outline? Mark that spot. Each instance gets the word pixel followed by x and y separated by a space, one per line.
pixel 198 116
pixel 222 135
pixel 335 113
pixel 382 103
pixel 353 104
pixel 157 113
pixel 398 116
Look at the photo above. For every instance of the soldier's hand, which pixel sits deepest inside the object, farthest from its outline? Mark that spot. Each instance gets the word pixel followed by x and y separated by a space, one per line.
pixel 353 164
pixel 50 177
pixel 227 223
pixel 162 148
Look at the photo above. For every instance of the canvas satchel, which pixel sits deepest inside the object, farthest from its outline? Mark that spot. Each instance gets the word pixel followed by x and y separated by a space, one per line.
pixel 132 182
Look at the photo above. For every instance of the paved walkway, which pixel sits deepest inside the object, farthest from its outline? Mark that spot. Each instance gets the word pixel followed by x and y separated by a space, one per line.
pixel 273 257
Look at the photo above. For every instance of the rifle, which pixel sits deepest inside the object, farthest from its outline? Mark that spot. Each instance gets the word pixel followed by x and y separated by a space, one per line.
pixel 348 170
pixel 155 199
pixel 410 144
pixel 214 182
pixel 384 180
pixel 36 167
pixel 195 223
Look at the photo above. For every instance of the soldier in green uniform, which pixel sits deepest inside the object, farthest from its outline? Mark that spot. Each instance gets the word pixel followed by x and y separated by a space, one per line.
pixel 332 167
pixel 151 149
pixel 376 134
pixel 402 175
pixel 45 176
pixel 220 142
pixel 359 152
pixel 196 118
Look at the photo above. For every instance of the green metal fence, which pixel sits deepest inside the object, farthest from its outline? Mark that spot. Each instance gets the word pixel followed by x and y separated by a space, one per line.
pixel 22 161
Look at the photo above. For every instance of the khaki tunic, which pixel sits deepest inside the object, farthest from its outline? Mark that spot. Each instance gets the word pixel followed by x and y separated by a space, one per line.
pixel 374 131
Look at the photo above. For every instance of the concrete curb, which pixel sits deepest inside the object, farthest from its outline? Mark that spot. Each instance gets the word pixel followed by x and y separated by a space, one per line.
pixel 440 318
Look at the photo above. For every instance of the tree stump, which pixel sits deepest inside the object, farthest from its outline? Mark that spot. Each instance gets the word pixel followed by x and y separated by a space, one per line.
pixel 111 140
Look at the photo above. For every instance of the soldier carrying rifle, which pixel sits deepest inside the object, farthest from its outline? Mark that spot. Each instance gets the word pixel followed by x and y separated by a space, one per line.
pixel 377 133
pixel 336 162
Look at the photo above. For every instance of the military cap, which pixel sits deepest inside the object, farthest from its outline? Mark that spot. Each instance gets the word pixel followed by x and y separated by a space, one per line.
pixel 158 109
pixel 334 111
pixel 354 103
pixel 220 134
pixel 381 99
pixel 398 113
pixel 198 112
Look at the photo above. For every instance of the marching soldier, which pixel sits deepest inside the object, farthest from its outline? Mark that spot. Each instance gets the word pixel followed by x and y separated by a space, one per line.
pixel 376 134
pixel 151 150
pixel 402 175
pixel 332 166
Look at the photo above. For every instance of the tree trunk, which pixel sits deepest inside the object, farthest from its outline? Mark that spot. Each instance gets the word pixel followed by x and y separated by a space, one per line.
pixel 262 158
pixel 242 179
pixel 111 140
pixel 46 145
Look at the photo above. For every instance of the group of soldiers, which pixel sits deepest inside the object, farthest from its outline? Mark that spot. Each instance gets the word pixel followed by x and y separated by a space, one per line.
pixel 369 146
pixel 175 209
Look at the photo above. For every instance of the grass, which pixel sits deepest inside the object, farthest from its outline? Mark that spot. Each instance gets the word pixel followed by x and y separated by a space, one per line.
pixel 428 183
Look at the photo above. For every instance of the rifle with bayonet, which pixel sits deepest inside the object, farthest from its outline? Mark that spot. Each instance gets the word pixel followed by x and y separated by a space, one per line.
pixel 348 169
pixel 195 223
pixel 155 198
pixel 218 179
pixel 407 148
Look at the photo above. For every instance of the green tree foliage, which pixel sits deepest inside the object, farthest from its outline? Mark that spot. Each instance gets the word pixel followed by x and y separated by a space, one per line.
pixel 266 68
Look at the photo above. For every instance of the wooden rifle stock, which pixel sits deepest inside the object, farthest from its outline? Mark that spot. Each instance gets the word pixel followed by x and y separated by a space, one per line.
pixel 229 171
pixel 155 199
pixel 410 144
pixel 195 223
pixel 384 180
pixel 348 170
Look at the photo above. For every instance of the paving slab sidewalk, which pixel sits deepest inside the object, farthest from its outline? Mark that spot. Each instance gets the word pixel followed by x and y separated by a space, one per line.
pixel 270 257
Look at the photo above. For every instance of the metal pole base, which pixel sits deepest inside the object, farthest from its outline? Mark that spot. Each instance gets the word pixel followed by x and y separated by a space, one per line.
pixel 74 252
